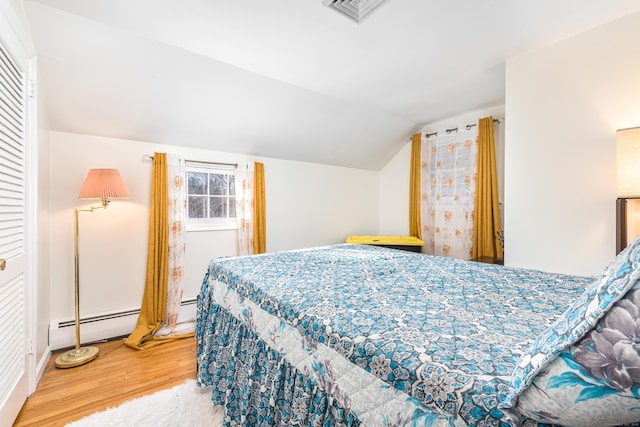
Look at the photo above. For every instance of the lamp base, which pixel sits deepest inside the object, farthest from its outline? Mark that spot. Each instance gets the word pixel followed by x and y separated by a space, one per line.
pixel 76 357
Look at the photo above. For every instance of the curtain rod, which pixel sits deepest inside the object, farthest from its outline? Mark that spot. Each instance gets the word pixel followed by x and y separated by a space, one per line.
pixel 448 131
pixel 147 156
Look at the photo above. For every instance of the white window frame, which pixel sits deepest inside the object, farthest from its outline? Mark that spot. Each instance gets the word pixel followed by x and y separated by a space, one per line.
pixel 208 224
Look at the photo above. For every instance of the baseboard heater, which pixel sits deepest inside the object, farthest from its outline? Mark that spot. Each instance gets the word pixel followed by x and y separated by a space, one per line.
pixel 104 326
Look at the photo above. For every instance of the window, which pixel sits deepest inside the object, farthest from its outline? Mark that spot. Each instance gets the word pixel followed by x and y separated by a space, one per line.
pixel 211 197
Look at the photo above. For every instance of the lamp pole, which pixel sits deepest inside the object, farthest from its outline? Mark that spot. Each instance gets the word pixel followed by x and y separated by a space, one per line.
pixel 79 355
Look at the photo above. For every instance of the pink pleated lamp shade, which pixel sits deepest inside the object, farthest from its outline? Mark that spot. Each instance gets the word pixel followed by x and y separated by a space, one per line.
pixel 104 184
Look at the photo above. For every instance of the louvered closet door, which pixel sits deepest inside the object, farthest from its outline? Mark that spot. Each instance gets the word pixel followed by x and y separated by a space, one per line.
pixel 13 348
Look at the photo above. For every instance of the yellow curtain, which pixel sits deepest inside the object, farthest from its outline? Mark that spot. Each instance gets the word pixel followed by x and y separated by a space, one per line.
pixel 415 229
pixel 154 300
pixel 486 220
pixel 259 210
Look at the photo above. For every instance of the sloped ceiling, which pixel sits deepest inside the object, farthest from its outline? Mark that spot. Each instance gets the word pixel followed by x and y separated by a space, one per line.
pixel 289 79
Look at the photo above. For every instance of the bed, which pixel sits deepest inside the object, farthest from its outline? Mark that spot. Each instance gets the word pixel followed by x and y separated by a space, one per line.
pixel 360 335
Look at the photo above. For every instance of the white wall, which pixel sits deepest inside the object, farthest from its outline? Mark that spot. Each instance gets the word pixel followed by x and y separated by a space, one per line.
pixel 310 204
pixel 564 104
pixel 394 194
pixel 394 177
pixel 307 205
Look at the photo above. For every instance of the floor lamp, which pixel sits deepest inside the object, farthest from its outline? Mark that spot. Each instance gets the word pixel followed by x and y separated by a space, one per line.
pixel 103 184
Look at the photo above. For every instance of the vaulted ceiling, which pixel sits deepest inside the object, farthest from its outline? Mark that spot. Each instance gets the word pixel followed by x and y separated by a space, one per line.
pixel 289 79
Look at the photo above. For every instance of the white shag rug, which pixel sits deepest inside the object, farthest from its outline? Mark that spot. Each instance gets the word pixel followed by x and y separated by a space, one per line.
pixel 183 405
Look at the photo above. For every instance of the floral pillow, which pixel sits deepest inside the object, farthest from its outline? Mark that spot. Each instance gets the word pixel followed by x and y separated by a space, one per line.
pixel 620 276
pixel 595 381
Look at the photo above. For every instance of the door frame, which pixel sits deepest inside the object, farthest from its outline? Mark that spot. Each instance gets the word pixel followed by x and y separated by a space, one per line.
pixel 31 225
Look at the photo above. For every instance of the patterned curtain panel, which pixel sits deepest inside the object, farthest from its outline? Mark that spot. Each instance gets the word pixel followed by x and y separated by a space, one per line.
pixel 448 185
pixel 244 207
pixel 153 310
pixel 174 322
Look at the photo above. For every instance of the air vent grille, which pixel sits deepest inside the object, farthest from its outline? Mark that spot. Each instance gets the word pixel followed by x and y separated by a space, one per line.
pixel 354 9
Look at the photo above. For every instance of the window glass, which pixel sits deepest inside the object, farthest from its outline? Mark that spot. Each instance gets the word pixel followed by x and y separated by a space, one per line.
pixel 197 183
pixel 197 207
pixel 211 197
pixel 218 184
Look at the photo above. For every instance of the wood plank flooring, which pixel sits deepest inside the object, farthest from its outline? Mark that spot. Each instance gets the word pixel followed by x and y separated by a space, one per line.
pixel 117 375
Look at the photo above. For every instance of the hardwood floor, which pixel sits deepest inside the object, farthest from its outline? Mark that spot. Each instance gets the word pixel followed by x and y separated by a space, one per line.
pixel 117 375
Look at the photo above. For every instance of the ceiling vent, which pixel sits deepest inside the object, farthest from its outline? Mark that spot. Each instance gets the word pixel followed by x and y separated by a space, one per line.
pixel 354 9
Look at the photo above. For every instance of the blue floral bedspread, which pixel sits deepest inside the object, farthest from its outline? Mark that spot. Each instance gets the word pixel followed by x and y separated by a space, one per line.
pixel 353 334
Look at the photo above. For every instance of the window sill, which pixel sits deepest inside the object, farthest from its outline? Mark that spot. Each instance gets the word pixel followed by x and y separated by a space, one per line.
pixel 191 228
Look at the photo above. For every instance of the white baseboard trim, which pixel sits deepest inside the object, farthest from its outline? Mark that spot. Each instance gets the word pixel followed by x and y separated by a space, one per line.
pixel 100 327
